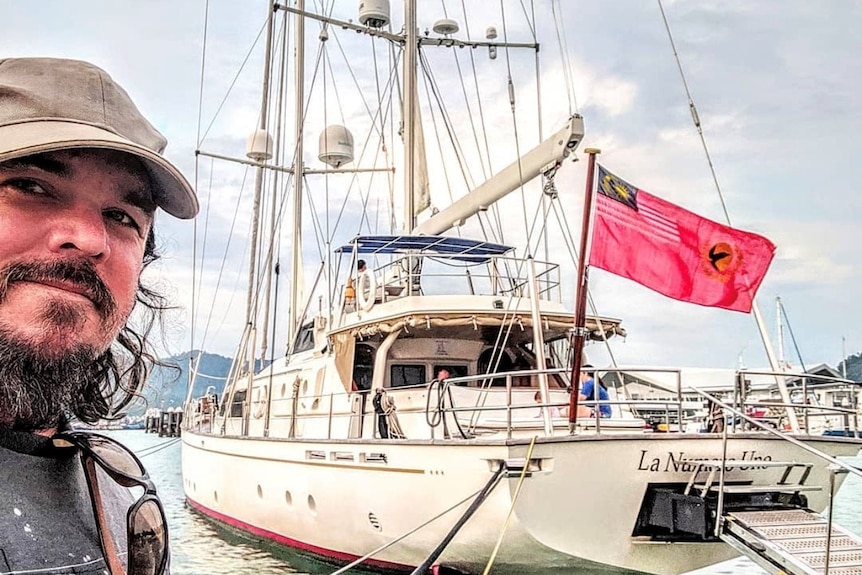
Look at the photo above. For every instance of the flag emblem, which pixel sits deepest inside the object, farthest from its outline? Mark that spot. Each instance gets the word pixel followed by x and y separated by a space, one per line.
pixel 721 256
pixel 617 189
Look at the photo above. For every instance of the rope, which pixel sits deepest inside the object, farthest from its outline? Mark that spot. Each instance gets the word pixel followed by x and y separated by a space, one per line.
pixel 146 451
pixel 511 508
pixel 395 431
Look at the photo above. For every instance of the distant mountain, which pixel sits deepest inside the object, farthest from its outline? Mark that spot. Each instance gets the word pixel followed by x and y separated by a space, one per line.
pixel 168 386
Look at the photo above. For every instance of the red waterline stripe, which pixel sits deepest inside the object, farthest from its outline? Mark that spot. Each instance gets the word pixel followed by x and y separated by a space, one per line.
pixel 287 541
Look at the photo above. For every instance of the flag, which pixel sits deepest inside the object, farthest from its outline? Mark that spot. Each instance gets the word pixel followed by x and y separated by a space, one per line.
pixel 673 251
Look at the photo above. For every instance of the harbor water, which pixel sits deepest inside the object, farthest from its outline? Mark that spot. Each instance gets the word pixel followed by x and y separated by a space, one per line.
pixel 198 547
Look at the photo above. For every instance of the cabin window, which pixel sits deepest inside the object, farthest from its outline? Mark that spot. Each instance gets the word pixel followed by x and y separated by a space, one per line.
pixel 492 362
pixel 454 370
pixel 305 338
pixel 237 404
pixel 401 375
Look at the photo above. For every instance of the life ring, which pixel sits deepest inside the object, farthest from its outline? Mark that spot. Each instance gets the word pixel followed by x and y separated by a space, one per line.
pixel 366 288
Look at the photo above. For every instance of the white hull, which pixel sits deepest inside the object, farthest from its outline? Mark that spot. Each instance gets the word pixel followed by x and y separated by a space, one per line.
pixel 341 499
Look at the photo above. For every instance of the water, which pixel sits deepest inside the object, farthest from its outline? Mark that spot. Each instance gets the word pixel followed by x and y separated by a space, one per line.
pixel 199 548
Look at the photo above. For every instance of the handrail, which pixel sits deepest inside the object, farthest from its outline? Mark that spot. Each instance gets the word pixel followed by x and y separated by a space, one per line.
pixel 678 401
pixel 849 468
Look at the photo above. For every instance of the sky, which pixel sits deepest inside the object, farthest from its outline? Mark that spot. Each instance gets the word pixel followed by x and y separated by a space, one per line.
pixel 777 86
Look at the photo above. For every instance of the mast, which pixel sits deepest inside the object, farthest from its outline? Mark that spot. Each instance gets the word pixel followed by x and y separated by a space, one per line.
pixel 251 301
pixel 258 180
pixel 299 112
pixel 409 111
pixel 581 288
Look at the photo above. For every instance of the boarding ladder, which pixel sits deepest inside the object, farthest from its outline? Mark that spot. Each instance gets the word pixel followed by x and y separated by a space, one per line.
pixel 793 540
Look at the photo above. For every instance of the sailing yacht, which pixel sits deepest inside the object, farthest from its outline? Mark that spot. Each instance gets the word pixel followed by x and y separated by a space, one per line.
pixel 407 421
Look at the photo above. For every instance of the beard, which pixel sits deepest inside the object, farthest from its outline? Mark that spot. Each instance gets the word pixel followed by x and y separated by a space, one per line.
pixel 41 383
pixel 38 390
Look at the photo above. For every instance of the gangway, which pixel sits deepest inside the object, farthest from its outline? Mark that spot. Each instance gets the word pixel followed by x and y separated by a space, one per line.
pixel 771 525
pixel 793 541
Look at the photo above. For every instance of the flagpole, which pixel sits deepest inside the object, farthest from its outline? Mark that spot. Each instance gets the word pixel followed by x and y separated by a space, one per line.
pixel 579 334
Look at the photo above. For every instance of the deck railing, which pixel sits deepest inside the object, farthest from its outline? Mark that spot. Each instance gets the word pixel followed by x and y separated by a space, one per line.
pixel 440 274
pixel 479 400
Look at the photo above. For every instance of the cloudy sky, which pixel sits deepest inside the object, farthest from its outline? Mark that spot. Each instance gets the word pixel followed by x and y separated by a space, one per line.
pixel 777 86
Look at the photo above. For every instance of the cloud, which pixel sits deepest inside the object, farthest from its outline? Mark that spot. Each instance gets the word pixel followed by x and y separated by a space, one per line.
pixel 776 87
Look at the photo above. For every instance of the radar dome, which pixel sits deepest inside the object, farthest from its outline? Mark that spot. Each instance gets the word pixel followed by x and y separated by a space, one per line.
pixel 258 147
pixel 374 13
pixel 336 146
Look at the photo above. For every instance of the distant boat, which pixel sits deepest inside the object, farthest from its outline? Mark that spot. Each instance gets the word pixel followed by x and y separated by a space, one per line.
pixel 349 445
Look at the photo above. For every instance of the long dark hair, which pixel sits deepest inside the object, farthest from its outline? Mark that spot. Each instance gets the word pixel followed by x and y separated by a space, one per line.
pixel 124 368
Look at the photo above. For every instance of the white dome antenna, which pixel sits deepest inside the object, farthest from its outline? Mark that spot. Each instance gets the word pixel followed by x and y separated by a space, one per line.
pixel 336 146
pixel 258 147
pixel 446 26
pixel 374 13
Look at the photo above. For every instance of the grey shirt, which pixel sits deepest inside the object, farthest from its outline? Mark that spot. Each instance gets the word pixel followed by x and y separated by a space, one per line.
pixel 46 514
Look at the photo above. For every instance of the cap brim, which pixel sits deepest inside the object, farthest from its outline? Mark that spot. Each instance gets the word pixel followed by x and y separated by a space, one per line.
pixel 171 191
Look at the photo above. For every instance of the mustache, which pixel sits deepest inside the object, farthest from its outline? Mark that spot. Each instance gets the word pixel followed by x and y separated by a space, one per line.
pixel 80 273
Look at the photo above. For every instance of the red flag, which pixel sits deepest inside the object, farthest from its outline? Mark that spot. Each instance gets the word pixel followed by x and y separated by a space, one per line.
pixel 673 251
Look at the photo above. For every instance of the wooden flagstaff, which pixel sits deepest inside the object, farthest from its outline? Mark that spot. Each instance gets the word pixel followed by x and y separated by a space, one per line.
pixel 580 331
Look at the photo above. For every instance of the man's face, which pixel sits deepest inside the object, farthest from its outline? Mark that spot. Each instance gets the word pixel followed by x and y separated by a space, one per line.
pixel 73 228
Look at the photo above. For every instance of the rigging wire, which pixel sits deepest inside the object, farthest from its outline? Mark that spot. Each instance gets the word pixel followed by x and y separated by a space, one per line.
pixel 569 241
pixel 511 87
pixel 486 158
pixel 563 44
pixel 694 115
pixel 432 89
pixel 755 309
pixel 224 259
pixel 792 337
pixel 197 181
pixel 232 84
pixel 374 115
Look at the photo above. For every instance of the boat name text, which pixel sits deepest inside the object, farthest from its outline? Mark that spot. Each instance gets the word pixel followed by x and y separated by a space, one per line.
pixel 679 462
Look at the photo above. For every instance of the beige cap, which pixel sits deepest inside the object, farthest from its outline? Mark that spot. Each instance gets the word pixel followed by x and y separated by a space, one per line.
pixel 49 104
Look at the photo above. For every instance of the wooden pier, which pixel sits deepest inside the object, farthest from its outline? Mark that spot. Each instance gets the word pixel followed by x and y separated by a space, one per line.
pixel 166 423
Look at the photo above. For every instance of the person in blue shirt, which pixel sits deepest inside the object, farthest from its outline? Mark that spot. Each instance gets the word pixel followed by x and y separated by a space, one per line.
pixel 588 391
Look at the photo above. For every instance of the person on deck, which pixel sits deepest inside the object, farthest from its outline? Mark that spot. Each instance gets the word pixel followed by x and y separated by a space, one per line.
pixel 588 393
pixel 350 288
pixel 81 175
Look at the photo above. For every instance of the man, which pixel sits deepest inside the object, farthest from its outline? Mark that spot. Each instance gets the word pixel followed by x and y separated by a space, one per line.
pixel 81 175
pixel 588 393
